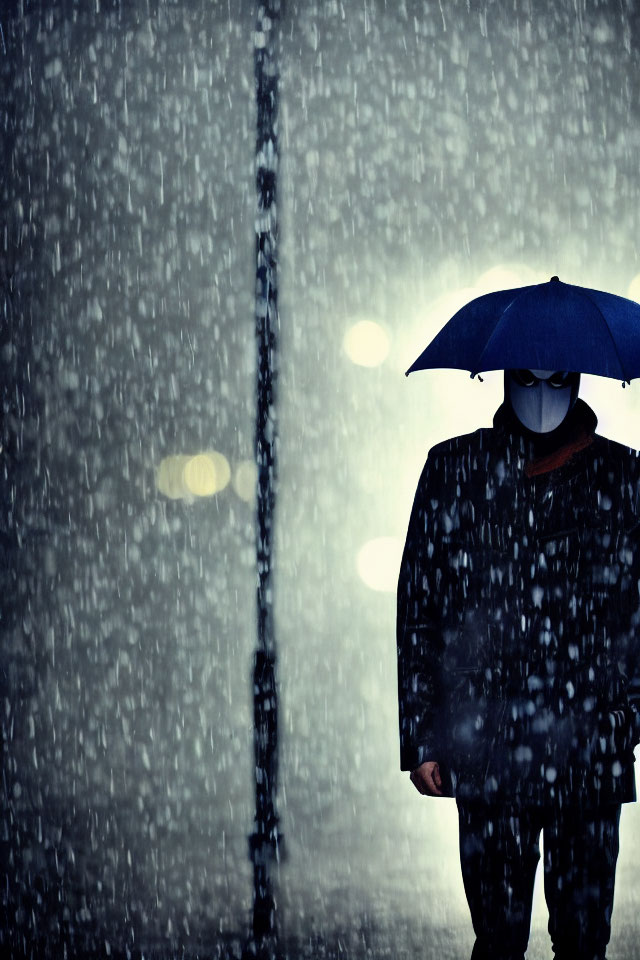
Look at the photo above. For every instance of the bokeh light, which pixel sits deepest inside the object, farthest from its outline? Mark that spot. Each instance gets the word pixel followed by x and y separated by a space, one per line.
pixel 634 289
pixel 199 476
pixel 185 477
pixel 505 277
pixel 221 468
pixel 170 476
pixel 366 343
pixel 244 480
pixel 378 563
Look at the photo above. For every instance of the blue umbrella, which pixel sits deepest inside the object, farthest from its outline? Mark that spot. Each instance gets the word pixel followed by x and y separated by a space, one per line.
pixel 546 326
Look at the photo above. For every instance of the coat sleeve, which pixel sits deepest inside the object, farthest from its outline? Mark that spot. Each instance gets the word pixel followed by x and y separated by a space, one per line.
pixel 421 595
pixel 633 691
pixel 630 661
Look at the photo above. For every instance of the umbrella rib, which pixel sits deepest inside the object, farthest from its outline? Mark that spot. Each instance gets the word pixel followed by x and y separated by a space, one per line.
pixel 586 295
pixel 495 330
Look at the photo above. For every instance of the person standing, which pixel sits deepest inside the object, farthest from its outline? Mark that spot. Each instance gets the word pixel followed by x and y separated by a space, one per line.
pixel 518 611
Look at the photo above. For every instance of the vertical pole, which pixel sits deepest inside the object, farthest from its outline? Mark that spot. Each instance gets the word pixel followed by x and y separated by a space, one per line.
pixel 265 842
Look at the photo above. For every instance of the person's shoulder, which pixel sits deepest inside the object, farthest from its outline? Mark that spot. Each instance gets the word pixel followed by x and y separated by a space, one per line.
pixel 613 451
pixel 460 446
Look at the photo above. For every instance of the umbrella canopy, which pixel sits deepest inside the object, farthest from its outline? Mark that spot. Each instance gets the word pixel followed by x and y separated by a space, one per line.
pixel 546 326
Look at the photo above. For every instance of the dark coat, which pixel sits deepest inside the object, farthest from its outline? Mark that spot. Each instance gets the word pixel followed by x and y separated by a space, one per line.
pixel 518 605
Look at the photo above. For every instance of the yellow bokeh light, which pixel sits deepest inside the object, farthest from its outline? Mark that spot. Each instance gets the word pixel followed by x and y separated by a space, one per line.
pixel 169 476
pixel 366 343
pixel 244 481
pixel 221 467
pixel 185 477
pixel 378 563
pixel 200 476
pixel 634 289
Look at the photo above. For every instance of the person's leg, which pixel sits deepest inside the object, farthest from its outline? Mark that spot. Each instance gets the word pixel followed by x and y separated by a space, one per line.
pixel 580 853
pixel 499 853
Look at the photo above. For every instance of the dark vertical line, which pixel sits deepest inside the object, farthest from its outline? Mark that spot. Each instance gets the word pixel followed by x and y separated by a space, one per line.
pixel 265 841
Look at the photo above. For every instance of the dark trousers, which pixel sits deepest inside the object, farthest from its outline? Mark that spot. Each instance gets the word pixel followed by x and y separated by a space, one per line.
pixel 499 853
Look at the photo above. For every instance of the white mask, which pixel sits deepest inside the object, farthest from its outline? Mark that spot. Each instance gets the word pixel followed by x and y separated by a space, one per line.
pixel 541 399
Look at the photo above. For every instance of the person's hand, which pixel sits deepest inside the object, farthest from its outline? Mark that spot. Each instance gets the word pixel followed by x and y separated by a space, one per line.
pixel 426 779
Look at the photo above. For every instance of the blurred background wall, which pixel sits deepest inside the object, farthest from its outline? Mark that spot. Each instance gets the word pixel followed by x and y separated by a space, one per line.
pixel 430 152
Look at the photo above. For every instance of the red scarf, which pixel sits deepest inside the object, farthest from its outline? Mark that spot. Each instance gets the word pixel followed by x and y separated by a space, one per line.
pixel 560 456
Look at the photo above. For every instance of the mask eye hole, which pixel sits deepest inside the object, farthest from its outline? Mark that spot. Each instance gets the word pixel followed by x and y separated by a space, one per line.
pixel 559 380
pixel 524 377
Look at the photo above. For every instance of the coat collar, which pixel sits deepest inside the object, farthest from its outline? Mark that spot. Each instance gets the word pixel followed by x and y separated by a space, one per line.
pixel 549 451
